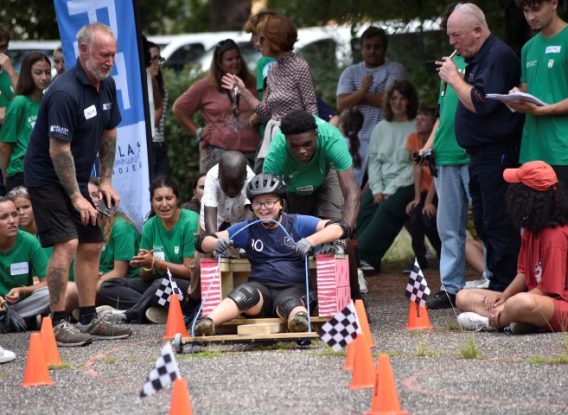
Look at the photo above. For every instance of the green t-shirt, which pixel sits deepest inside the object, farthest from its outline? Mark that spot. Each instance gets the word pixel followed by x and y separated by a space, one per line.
pixel 262 67
pixel 545 71
pixel 6 90
pixel 17 130
pixel 122 245
pixel 304 178
pixel 25 260
pixel 447 151
pixel 171 245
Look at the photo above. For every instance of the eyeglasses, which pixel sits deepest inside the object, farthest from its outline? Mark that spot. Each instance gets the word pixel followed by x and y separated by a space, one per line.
pixel 158 58
pixel 269 204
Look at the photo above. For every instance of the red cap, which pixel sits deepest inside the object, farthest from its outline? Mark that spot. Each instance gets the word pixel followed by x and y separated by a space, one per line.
pixel 535 174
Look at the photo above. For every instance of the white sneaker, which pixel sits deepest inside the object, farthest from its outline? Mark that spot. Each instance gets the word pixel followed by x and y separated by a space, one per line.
pixel 475 322
pixel 365 266
pixel 362 283
pixel 110 314
pixel 480 283
pixel 6 355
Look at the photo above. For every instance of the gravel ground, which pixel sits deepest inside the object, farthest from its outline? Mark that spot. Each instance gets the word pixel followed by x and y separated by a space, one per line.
pixel 431 374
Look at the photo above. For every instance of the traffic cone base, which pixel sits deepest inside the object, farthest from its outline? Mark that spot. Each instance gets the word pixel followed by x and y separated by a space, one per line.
pixel 181 402
pixel 175 322
pixel 348 365
pixel 418 318
pixel 363 369
pixel 36 372
pixel 385 397
pixel 49 344
pixel 364 321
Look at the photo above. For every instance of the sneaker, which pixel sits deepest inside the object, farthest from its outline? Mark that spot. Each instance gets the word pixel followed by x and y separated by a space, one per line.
pixel 363 289
pixel 102 330
pixel 299 323
pixel 157 315
pixel 475 322
pixel 521 328
pixel 68 335
pixel 480 283
pixel 6 355
pixel 205 327
pixel 365 266
pixel 442 299
pixel 111 315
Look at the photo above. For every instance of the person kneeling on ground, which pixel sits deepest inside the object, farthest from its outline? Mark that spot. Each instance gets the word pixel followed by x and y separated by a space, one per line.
pixel 277 279
pixel 538 296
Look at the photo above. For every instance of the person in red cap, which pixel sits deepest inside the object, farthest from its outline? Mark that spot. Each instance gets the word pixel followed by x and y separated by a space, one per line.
pixel 538 296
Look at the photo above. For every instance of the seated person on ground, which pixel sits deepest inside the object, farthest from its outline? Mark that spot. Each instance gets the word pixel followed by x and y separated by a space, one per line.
pixel 277 279
pixel 538 295
pixel 21 259
pixel 121 243
pixel 224 197
pixel 421 210
pixel 312 158
pixel 168 243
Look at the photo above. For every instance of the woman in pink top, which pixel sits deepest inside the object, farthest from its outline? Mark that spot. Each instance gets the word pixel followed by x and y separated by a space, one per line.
pixel 224 113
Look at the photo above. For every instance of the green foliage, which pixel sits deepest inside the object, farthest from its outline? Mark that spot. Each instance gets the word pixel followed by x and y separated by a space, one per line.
pixel 469 349
pixel 183 152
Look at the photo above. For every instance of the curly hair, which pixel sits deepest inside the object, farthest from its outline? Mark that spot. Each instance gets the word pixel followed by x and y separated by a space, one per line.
pixel 534 210
pixel 407 90
pixel 298 122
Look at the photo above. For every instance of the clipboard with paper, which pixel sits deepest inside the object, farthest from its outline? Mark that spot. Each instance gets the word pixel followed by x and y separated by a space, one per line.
pixel 516 97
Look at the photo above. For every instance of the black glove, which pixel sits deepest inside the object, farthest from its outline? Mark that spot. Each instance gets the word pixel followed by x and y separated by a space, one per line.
pixel 302 247
pixel 222 245
pixel 12 322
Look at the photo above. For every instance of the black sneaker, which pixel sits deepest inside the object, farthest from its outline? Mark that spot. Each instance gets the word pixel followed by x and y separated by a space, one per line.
pixel 299 323
pixel 67 335
pixel 442 299
pixel 102 330
pixel 205 327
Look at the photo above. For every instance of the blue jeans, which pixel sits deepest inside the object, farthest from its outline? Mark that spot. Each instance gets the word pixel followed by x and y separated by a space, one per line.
pixel 452 186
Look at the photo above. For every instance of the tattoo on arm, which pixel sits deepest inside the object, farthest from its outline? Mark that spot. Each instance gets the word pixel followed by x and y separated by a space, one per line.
pixel 107 152
pixel 64 166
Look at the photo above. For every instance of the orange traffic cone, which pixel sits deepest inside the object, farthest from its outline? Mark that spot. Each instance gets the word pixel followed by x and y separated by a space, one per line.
pixel 350 358
pixel 50 349
pixel 36 372
pixel 363 369
pixel 385 397
pixel 181 402
pixel 362 316
pixel 418 318
pixel 175 322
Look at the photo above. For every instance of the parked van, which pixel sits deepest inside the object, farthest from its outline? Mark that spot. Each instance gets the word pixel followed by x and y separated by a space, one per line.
pixel 17 49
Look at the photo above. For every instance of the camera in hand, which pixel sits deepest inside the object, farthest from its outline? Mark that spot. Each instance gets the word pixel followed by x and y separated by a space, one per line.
pixel 426 158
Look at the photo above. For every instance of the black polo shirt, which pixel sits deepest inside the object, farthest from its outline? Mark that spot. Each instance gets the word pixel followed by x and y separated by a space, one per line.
pixel 72 110
pixel 494 69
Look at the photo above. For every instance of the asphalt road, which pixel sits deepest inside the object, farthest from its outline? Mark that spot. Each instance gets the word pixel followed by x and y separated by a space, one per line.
pixel 431 374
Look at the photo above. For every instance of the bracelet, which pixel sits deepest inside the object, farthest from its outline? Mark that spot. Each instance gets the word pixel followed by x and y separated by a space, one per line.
pixel 151 268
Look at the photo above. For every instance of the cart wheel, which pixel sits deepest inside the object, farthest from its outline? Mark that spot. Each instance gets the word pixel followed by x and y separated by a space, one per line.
pixel 177 344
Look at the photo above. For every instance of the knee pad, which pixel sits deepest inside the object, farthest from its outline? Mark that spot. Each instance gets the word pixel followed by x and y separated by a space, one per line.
pixel 287 305
pixel 245 296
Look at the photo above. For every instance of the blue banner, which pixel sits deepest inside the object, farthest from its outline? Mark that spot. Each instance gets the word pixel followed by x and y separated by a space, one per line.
pixel 131 172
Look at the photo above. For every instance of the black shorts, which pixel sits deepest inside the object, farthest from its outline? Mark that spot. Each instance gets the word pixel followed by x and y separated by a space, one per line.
pixel 57 220
pixel 273 295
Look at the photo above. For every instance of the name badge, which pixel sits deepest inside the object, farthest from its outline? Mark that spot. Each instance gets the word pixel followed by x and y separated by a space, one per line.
pixel 307 188
pixel 90 112
pixel 160 255
pixel 19 268
pixel 553 49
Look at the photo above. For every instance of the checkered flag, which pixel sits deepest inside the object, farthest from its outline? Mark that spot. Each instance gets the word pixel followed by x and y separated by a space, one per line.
pixel 342 329
pixel 165 372
pixel 417 288
pixel 166 288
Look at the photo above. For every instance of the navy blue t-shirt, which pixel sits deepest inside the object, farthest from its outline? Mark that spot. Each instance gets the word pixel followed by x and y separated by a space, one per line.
pixel 72 110
pixel 494 69
pixel 271 252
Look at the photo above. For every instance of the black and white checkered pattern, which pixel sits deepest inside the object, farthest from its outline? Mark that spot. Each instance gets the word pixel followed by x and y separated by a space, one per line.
pixel 163 374
pixel 342 329
pixel 417 288
pixel 166 288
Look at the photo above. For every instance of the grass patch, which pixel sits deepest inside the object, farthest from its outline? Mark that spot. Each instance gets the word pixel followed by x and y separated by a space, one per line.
pixel 198 355
pixel 63 365
pixel 451 324
pixel 110 360
pixel 391 353
pixel 469 349
pixel 423 350
pixel 328 351
pixel 549 360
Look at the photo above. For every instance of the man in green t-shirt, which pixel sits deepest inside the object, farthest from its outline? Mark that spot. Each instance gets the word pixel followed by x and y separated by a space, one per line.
pixel 544 60
pixel 312 158
pixel 21 259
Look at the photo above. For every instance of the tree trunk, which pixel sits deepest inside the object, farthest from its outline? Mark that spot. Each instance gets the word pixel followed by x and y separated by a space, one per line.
pixel 228 14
